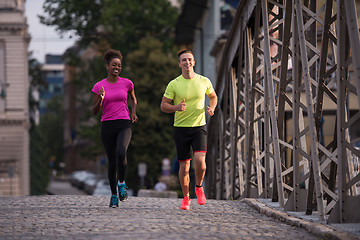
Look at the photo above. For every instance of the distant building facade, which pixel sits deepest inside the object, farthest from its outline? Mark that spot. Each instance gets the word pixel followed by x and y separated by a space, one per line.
pixel 200 26
pixel 14 104
pixel 53 71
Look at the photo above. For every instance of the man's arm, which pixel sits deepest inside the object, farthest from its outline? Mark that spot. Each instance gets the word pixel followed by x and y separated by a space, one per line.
pixel 167 107
pixel 213 102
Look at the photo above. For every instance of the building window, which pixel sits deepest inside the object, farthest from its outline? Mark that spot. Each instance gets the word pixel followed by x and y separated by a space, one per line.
pixel 3 84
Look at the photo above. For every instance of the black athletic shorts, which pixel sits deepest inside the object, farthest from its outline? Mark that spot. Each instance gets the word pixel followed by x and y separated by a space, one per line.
pixel 186 137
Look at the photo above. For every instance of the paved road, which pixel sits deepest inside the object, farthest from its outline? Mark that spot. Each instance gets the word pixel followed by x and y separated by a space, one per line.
pixel 63 188
pixel 89 217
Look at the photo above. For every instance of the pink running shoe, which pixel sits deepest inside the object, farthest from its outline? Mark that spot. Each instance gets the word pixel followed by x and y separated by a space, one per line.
pixel 186 203
pixel 200 195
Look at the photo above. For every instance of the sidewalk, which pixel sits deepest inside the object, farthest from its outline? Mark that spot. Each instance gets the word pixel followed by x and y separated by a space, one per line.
pixel 345 231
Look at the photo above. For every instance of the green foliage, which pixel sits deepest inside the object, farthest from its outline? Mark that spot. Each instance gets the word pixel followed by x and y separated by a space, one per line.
pixel 151 70
pixel 46 142
pixel 80 16
pixel 37 80
pixel 93 70
pixel 39 163
pixel 120 23
pixel 143 31
pixel 128 21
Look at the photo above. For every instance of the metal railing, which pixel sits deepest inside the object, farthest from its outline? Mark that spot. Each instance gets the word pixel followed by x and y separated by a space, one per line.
pixel 286 67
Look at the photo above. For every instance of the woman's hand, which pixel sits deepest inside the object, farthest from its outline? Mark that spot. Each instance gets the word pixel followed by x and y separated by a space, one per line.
pixel 102 93
pixel 134 118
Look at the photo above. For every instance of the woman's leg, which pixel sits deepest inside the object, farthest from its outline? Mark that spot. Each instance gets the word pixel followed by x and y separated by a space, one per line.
pixel 122 143
pixel 108 139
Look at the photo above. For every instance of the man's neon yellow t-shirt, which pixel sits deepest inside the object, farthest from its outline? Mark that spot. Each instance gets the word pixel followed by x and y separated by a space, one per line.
pixel 193 91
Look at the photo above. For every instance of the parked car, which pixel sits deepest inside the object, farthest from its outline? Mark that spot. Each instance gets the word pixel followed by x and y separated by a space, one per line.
pixel 75 176
pixel 102 188
pixel 78 177
pixel 90 183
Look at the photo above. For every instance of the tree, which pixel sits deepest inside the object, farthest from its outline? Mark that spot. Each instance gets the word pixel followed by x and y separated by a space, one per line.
pixel 143 31
pixel 39 170
pixel 88 124
pixel 39 164
pixel 151 69
pixel 46 145
pixel 37 80
pixel 120 23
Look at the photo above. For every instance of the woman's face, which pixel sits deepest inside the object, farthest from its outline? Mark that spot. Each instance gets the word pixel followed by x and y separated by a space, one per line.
pixel 114 67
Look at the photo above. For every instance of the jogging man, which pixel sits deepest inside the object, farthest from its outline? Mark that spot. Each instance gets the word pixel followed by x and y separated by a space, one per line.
pixel 187 92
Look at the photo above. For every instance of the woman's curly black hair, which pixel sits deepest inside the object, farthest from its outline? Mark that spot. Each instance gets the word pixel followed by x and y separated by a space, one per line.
pixel 111 54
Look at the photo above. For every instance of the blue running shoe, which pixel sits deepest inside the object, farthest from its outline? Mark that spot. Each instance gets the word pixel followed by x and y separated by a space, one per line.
pixel 123 196
pixel 114 201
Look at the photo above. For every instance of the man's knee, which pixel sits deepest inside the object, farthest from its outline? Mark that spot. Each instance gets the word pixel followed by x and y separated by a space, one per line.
pixel 199 157
pixel 184 166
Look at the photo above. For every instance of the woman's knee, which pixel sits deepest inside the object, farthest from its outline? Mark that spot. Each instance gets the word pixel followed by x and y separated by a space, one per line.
pixel 112 163
pixel 123 162
pixel 121 157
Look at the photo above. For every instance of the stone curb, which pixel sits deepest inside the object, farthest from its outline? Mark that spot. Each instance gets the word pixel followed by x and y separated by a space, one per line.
pixel 318 229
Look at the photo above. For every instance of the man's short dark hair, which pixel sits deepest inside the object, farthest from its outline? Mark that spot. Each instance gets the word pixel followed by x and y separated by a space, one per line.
pixel 185 51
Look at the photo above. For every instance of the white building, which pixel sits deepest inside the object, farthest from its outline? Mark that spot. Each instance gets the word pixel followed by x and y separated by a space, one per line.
pixel 14 110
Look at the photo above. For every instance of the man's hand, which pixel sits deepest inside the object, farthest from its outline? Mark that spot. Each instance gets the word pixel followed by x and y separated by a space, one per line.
pixel 210 111
pixel 182 106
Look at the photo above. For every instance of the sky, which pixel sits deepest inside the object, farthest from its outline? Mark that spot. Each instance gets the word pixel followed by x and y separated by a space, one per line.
pixel 44 39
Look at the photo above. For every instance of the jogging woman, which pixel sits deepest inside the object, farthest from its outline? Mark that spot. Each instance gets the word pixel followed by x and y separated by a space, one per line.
pixel 111 95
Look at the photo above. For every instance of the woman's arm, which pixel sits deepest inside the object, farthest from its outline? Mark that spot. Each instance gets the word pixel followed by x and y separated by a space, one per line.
pixel 98 100
pixel 133 103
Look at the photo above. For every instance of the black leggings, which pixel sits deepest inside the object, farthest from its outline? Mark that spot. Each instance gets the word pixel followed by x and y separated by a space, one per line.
pixel 115 136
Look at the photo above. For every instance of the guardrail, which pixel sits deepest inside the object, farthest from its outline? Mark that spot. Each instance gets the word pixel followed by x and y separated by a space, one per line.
pixel 287 67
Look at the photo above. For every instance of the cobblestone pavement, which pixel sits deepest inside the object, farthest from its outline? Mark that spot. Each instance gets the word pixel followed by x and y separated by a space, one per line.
pixel 89 217
pixel 312 223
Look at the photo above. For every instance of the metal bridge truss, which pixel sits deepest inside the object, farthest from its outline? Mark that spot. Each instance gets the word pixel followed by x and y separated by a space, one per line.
pixel 282 60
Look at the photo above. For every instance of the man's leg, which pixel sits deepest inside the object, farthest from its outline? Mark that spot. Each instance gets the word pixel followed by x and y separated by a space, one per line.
pixel 184 176
pixel 181 137
pixel 185 181
pixel 200 167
